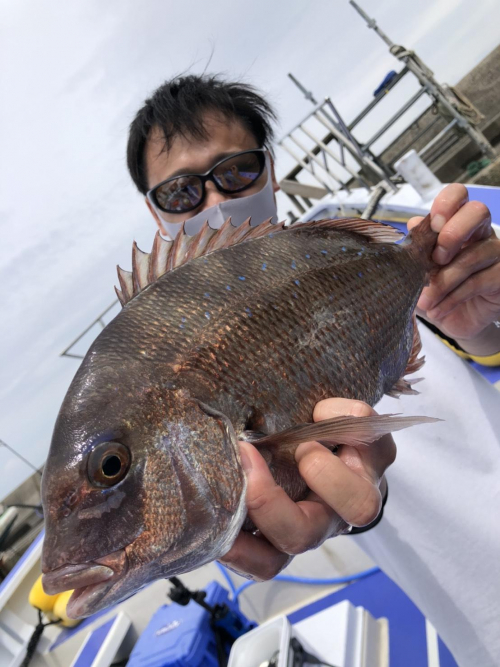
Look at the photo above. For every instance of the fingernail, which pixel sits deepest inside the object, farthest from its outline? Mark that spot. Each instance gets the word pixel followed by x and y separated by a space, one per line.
pixel 246 461
pixel 245 575
pixel 441 255
pixel 438 221
pixel 425 302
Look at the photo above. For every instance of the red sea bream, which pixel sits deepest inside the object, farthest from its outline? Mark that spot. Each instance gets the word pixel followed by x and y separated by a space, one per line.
pixel 231 332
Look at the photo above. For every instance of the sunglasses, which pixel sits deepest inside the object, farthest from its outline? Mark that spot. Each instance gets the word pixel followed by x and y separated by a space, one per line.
pixel 184 193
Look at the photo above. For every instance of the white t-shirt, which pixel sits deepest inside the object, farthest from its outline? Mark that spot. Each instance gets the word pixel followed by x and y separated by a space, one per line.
pixel 439 539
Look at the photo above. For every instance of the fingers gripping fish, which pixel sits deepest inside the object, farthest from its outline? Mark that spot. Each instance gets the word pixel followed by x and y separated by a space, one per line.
pixel 231 331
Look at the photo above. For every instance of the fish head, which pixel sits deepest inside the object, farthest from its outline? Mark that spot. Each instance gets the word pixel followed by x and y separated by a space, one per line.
pixel 142 482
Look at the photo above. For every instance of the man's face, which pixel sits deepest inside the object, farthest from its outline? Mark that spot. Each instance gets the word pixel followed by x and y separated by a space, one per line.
pixel 191 156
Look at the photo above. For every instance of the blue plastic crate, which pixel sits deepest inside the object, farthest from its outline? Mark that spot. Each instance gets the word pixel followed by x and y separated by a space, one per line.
pixel 181 636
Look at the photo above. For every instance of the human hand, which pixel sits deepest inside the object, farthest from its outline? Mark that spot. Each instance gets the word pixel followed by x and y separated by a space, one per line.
pixel 344 492
pixel 463 297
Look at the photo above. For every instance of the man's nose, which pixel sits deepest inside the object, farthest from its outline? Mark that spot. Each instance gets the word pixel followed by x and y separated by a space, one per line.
pixel 213 196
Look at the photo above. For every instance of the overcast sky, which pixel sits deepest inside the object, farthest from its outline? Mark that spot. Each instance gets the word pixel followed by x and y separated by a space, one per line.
pixel 74 74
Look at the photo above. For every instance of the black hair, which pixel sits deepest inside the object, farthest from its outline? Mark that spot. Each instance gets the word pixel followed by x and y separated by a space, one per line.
pixel 178 108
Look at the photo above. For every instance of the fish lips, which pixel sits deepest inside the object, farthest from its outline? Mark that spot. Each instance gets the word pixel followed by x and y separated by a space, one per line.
pixel 91 582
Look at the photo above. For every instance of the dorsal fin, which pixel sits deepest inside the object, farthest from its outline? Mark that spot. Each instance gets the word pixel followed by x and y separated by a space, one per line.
pixel 375 232
pixel 168 255
pixel 126 284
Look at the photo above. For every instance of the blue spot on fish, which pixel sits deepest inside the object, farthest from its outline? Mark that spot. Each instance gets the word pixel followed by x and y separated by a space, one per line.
pixel 264 266
pixel 241 277
pixel 297 282
pixel 295 295
pixel 360 252
pixel 360 274
pixel 344 248
pixel 181 326
pixel 207 315
pixel 324 252
pixel 293 265
pixel 183 319
pixel 308 256
pixel 228 287
pixel 247 310
pixel 207 295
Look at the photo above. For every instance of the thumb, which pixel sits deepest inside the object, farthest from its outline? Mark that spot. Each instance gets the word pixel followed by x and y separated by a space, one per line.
pixel 413 222
pixel 368 462
pixel 253 463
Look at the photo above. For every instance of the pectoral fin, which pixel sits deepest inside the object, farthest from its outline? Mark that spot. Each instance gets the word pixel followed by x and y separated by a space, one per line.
pixel 352 431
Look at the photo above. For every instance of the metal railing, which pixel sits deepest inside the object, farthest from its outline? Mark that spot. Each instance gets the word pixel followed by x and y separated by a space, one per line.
pixel 98 321
pixel 319 155
pixel 333 160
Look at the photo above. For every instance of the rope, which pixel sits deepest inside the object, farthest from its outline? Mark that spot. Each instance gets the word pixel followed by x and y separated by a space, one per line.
pixel 35 638
pixel 400 52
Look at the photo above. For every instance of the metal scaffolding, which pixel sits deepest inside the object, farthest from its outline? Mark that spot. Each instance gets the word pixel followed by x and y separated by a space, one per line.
pixel 319 156
pixel 328 154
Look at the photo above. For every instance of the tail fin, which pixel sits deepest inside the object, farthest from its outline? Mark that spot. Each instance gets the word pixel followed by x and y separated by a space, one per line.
pixel 422 240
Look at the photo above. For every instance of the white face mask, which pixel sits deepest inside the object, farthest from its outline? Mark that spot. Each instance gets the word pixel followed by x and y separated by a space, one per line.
pixel 259 206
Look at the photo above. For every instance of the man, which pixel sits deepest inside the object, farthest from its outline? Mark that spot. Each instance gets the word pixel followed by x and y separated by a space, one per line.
pixel 200 149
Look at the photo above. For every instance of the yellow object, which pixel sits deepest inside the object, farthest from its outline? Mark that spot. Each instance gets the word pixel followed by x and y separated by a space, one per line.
pixel 60 609
pixel 460 353
pixel 38 597
pixel 491 360
pixel 52 605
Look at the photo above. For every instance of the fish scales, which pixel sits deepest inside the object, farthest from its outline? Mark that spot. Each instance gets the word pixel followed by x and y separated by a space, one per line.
pixel 144 475
pixel 327 335
pixel 257 317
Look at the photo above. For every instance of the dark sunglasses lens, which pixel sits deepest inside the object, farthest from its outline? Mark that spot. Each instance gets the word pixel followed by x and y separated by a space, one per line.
pixel 239 171
pixel 180 194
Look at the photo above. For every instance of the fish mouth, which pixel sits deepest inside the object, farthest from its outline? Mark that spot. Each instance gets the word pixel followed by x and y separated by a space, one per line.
pixel 91 581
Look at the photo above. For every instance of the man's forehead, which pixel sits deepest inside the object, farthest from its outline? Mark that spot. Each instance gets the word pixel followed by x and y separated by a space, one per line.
pixel 223 136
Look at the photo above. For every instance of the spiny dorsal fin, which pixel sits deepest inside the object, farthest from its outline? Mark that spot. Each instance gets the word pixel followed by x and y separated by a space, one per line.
pixel 159 255
pixel 140 268
pixel 126 284
pixel 168 255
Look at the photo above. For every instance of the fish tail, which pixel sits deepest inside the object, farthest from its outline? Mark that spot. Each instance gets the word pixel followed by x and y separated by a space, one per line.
pixel 421 240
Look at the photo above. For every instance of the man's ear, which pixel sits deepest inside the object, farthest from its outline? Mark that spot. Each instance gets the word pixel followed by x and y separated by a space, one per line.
pixel 276 185
pixel 155 214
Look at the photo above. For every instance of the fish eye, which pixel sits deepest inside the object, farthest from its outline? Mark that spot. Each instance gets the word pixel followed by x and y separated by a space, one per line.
pixel 108 464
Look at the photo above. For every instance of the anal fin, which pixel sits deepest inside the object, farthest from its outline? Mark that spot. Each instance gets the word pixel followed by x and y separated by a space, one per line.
pixel 414 364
